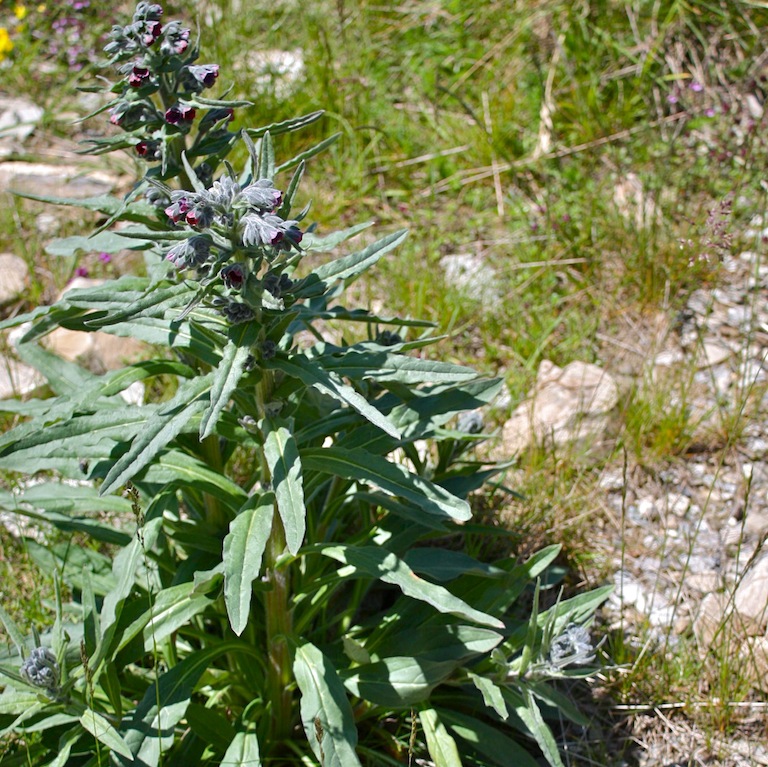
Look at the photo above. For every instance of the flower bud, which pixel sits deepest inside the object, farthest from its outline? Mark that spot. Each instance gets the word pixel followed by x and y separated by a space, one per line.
pixel 277 286
pixel 572 647
pixel 197 77
pixel 262 195
pixel 470 422
pixel 179 207
pixel 148 12
pixel 236 312
pixel 193 252
pixel 42 670
pixel 153 30
pixel 268 349
pixel 175 39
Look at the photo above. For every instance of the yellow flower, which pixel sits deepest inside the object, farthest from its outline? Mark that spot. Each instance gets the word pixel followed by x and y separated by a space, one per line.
pixel 6 44
pixel 20 11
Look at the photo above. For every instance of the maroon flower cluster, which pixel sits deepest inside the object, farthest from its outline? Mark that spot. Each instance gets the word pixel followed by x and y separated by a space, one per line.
pixel 156 57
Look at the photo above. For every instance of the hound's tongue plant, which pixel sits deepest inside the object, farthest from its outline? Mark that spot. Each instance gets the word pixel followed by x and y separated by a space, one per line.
pixel 278 591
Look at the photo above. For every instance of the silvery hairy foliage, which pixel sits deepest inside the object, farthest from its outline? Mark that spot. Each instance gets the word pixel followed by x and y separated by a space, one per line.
pixel 273 575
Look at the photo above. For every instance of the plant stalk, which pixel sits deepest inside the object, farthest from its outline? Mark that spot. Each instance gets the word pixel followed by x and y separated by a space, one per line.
pixel 278 617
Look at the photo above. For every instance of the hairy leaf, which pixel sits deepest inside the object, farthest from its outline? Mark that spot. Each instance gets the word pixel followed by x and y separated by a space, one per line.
pixel 285 469
pixel 227 375
pixel 243 751
pixel 442 747
pixel 390 477
pixel 307 371
pixel 325 710
pixel 377 562
pixel 243 549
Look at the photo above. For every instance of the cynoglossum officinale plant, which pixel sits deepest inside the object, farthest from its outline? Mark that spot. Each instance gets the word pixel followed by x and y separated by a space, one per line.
pixel 276 578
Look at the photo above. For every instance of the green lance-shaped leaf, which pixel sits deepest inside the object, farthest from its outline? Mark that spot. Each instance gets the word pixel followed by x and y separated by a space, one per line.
pixel 124 570
pixel 285 208
pixel 155 303
pixel 173 608
pixel 492 694
pixel 66 742
pixel 347 267
pixel 286 126
pixel 377 562
pixel 150 729
pixel 308 153
pixel 227 375
pixel 243 751
pixel 243 549
pixel 267 158
pixel 64 377
pixel 13 631
pixel 529 712
pixel 487 740
pixel 329 242
pixel 397 682
pixel 395 368
pixel 442 747
pixel 325 710
pixel 390 477
pixel 285 469
pixel 310 373
pixel 197 184
pixel 161 429
pixel 106 242
pixel 105 733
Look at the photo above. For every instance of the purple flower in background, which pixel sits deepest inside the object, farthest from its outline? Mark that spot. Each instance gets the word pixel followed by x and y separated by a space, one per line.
pixel 81 271
pixel 104 257
pixel 710 112
pixel 696 86
pixel 672 98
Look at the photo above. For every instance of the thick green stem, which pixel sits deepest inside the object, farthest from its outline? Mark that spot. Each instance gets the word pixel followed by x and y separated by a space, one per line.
pixel 279 625
pixel 215 513
pixel 277 605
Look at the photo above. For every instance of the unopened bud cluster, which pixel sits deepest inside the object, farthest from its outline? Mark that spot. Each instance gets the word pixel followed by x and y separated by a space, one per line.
pixel 42 670
pixel 571 648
